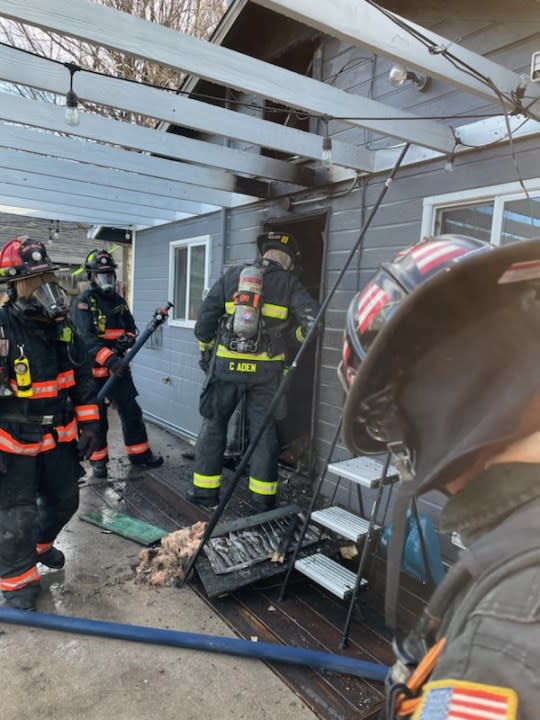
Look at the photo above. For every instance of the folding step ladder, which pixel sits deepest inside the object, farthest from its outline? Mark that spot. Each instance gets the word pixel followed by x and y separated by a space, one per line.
pixel 363 472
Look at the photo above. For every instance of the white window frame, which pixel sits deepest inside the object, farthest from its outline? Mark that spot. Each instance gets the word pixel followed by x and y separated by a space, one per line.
pixel 189 243
pixel 498 194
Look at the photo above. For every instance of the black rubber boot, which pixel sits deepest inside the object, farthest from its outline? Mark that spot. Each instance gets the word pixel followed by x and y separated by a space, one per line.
pixel 23 599
pixel 146 460
pixel 53 558
pixel 201 496
pixel 99 468
pixel 263 502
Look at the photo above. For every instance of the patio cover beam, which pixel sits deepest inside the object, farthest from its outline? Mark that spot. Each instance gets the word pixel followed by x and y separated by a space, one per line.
pixel 363 25
pixel 44 74
pixel 110 197
pixel 117 30
pixel 179 176
pixel 14 108
pixel 55 205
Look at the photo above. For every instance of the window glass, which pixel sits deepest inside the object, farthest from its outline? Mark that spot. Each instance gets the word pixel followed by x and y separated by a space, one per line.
pixel 188 275
pixel 196 284
pixel 521 220
pixel 473 220
pixel 180 281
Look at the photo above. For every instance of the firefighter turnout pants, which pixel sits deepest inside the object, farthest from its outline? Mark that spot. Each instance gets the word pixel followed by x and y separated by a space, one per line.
pixel 122 397
pixel 221 401
pixel 38 495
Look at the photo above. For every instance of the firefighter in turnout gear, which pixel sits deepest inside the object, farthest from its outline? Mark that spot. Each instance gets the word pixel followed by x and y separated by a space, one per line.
pixel 242 329
pixel 48 419
pixel 107 326
pixel 441 364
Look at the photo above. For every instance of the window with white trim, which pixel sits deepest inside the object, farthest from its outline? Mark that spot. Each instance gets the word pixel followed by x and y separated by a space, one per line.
pixel 188 278
pixel 500 214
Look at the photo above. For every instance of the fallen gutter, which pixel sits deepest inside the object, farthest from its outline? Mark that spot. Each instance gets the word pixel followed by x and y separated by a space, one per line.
pixel 211 643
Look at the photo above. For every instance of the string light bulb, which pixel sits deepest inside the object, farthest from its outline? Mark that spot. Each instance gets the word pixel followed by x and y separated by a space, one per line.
pixel 326 154
pixel 71 116
pixel 56 233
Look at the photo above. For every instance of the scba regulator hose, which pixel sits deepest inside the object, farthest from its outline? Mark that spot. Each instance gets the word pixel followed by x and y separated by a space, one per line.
pixel 194 641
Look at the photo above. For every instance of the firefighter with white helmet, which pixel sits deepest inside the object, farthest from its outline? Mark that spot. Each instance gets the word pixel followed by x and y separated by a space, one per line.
pixel 108 328
pixel 441 367
pixel 244 321
pixel 48 419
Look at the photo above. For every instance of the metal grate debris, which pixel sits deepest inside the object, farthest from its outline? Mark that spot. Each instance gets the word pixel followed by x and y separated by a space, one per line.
pixel 241 548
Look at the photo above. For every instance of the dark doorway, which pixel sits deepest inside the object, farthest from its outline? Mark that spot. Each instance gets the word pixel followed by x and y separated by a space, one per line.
pixel 296 430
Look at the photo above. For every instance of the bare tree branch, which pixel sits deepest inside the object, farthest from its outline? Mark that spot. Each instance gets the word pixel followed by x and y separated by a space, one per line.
pixel 193 17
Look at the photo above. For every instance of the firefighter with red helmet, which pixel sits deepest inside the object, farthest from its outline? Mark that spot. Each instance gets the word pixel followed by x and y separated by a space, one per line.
pixel 244 322
pixel 441 368
pixel 48 419
pixel 108 328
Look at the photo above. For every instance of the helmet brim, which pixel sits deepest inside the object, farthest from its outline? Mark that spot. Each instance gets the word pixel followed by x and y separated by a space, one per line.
pixel 464 296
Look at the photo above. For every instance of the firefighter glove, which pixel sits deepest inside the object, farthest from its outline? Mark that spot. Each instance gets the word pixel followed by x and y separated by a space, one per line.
pixel 204 362
pixel 88 441
pixel 116 366
pixel 125 341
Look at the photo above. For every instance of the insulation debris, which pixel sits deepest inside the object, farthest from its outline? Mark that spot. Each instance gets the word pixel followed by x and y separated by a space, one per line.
pixel 243 547
pixel 164 565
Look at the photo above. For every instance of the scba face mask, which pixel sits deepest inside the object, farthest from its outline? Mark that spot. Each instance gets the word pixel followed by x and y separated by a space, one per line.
pixel 106 281
pixel 48 299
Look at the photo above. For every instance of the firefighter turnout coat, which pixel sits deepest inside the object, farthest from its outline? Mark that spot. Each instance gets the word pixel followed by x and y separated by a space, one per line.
pixel 47 394
pixel 108 329
pixel 254 375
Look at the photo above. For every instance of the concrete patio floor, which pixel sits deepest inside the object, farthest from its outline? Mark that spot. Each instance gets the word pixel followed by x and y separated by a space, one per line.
pixel 51 674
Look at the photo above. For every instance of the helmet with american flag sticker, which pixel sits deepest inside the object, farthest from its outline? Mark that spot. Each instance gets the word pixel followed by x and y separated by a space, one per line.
pixel 445 361
pixel 372 307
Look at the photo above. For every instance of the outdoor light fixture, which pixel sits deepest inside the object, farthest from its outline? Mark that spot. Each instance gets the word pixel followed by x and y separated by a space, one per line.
pixel 72 101
pixel 326 154
pixel 399 75
pixel 56 233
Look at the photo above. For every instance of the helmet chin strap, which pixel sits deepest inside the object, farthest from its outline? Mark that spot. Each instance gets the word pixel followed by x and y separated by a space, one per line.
pixel 386 423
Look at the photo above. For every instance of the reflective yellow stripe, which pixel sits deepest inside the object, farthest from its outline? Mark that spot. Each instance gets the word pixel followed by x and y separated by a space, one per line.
pixel 210 482
pixel 299 334
pixel 224 353
pixel 259 487
pixel 275 311
pixel 229 307
pixel 206 345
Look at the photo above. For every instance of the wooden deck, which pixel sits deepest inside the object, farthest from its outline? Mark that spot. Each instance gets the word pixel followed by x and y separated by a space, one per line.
pixel 309 617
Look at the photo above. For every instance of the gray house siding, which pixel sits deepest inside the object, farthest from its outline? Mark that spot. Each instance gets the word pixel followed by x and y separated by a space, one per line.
pixel 396 224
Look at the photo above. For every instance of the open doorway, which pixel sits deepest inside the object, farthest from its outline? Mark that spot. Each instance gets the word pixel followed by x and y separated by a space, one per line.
pixel 296 429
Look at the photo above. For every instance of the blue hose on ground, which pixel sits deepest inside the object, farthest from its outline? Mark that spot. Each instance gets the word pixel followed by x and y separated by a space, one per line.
pixel 211 643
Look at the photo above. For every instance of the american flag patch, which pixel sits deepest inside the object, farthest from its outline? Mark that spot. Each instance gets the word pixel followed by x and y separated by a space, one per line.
pixel 82 306
pixel 462 700
pixel 429 256
pixel 373 299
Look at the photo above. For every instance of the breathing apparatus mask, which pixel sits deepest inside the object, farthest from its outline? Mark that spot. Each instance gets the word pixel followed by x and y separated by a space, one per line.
pixel 48 299
pixel 105 281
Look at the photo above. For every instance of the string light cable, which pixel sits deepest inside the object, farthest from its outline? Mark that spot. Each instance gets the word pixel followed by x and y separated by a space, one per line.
pixel 302 115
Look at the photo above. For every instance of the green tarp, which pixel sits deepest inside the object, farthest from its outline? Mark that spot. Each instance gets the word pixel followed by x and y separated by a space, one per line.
pixel 125 525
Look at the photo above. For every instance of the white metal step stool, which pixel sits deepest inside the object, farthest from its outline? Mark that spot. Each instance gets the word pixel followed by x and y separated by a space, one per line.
pixel 326 572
